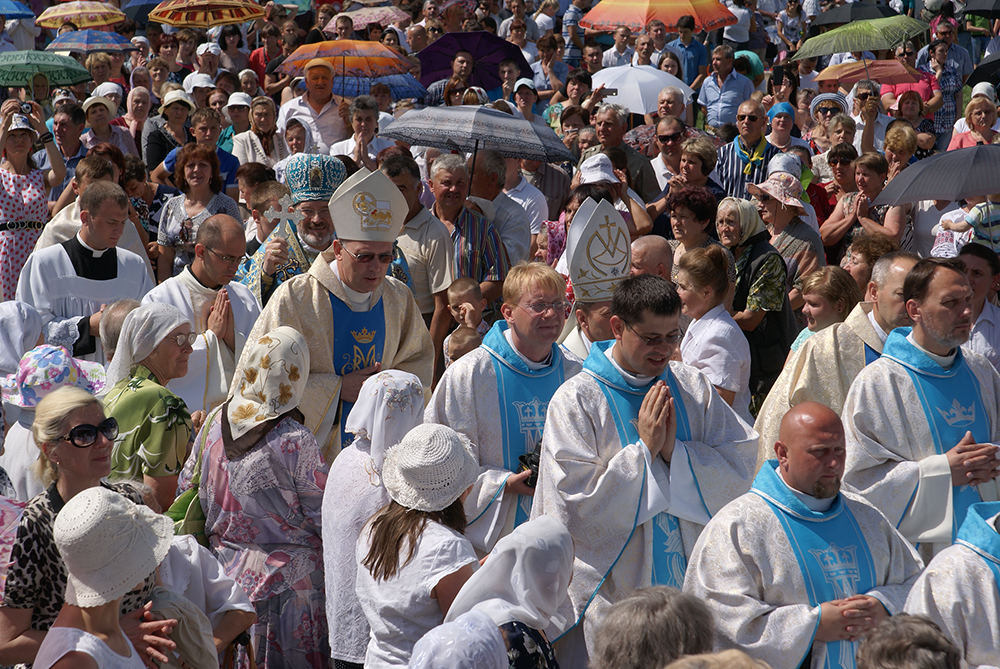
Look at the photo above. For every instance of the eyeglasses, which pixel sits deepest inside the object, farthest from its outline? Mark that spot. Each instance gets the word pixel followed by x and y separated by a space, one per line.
pixel 229 260
pixel 323 213
pixel 863 96
pixel 435 30
pixel 365 258
pixel 673 137
pixel 827 111
pixel 764 198
pixel 656 341
pixel 541 307
pixel 945 33
pixel 181 339
pixel 753 118
pixel 83 436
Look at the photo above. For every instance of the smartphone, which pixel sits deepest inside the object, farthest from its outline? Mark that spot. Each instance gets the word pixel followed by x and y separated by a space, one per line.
pixel 610 91
pixel 777 76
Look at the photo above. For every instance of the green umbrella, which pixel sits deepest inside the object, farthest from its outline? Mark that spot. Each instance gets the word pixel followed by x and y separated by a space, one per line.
pixel 17 68
pixel 873 35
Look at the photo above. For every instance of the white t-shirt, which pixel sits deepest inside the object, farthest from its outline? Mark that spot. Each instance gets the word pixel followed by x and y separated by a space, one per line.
pixel 713 345
pixel 544 23
pixel 400 609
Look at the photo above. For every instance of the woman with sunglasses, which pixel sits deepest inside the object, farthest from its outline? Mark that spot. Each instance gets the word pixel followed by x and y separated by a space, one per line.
pixel 75 439
pixel 823 108
pixel 153 349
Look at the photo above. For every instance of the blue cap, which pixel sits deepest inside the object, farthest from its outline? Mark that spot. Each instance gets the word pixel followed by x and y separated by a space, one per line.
pixel 781 108
pixel 313 177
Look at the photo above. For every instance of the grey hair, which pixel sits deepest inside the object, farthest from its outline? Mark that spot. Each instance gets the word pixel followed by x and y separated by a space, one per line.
pixel 673 92
pixel 492 163
pixel 905 45
pixel 620 112
pixel 652 627
pixel 449 162
pixel 725 51
pixel 867 85
pixel 111 324
pixel 880 272
pixel 362 103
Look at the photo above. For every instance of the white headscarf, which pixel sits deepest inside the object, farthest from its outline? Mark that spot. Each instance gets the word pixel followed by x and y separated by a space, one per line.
pixel 472 641
pixel 389 405
pixel 20 327
pixel 142 331
pixel 525 578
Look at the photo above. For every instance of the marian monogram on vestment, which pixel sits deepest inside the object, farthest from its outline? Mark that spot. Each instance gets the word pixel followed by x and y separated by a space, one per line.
pixel 840 568
pixel 531 418
pixel 605 250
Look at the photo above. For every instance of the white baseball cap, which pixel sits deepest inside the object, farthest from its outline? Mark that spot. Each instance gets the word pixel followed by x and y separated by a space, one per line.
pixel 598 170
pixel 197 80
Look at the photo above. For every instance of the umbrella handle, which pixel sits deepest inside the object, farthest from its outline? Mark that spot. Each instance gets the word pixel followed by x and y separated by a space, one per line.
pixel 472 170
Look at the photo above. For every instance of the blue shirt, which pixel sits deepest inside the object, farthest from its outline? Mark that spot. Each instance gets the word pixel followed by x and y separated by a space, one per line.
pixel 41 159
pixel 542 82
pixel 692 57
pixel 571 17
pixel 228 164
pixel 721 103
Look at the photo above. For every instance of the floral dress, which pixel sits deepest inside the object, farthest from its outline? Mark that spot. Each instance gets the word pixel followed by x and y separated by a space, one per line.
pixel 23 211
pixel 527 648
pixel 263 519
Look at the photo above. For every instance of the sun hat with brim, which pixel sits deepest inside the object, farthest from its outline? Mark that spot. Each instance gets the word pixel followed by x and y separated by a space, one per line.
pixel 781 108
pixel 177 96
pixel 319 62
pixel 783 187
pixel 21 122
pixel 238 100
pixel 198 80
pixel 835 98
pixel 45 368
pixel 598 170
pixel 430 468
pixel 100 100
pixel 108 544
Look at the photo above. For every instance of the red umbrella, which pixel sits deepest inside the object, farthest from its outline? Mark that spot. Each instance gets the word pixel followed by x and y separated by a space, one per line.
pixel 883 71
pixel 636 14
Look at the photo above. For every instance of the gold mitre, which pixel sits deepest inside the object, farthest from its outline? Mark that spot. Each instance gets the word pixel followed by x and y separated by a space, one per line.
pixel 599 251
pixel 368 207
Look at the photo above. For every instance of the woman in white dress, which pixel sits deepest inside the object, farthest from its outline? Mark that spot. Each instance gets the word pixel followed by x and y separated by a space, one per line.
pixel 714 342
pixel 261 143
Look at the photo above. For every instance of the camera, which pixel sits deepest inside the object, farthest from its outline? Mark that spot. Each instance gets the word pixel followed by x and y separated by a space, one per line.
pixel 25 108
pixel 610 91
pixel 529 462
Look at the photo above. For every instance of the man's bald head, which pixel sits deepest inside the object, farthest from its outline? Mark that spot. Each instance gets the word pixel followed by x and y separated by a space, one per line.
pixel 651 254
pixel 811 449
pixel 219 248
pixel 218 229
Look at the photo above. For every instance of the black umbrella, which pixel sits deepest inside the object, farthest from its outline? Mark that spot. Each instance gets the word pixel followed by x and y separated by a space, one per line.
pixel 855 11
pixel 952 175
pixel 987 70
pixel 987 8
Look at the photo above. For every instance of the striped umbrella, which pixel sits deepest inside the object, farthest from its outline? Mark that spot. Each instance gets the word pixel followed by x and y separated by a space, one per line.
pixel 83 13
pixel 351 58
pixel 90 41
pixel 205 13
pixel 636 14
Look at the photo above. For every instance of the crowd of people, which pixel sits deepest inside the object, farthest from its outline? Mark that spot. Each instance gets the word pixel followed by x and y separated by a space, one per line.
pixel 281 392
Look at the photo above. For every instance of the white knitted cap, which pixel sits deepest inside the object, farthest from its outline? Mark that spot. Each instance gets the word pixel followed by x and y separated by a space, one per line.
pixel 109 545
pixel 430 468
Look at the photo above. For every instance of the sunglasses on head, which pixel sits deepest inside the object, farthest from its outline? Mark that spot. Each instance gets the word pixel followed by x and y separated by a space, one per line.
pixel 753 118
pixel 83 436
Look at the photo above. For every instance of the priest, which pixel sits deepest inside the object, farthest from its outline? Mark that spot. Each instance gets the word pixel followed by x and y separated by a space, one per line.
pixel 638 453
pixel 795 571
pixel 922 421
pixel 497 396
pixel 357 320
pixel 221 312
pixel 71 283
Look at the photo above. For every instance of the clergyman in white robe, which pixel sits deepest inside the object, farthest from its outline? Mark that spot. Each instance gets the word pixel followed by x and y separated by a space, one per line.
pixel 212 363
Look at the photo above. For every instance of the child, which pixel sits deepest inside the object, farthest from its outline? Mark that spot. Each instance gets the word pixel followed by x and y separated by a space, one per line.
pixel 265 196
pixel 985 221
pixel 953 231
pixel 463 340
pixel 248 177
pixel 466 303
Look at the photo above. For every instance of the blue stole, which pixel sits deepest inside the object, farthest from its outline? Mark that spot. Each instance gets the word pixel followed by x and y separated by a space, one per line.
pixel 980 536
pixel 524 400
pixel 358 342
pixel 624 400
pixel 831 570
pixel 871 355
pixel 940 391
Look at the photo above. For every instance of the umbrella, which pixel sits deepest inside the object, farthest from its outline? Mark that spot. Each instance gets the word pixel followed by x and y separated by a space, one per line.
pixel 18 67
pixel 467 5
pixel 987 70
pixel 11 9
pixel 855 11
pixel 470 128
pixel 365 16
pixel 873 35
pixel 83 13
pixel 636 14
pixel 90 41
pixel 487 51
pixel 987 8
pixel 883 71
pixel 138 10
pixel 950 176
pixel 352 58
pixel 401 86
pixel 205 13
pixel 638 87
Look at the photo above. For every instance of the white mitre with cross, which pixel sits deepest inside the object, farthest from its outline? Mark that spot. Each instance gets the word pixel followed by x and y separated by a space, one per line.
pixel 368 207
pixel 599 251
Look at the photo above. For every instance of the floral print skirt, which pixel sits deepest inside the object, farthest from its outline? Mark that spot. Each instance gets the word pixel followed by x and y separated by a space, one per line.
pixel 527 648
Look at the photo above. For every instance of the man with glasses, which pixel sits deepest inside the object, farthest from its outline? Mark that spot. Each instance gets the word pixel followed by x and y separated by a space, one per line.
pixel 958 56
pixel 357 320
pixel 497 396
pixel 71 283
pixel 745 159
pixel 867 112
pixel 221 312
pixel 462 64
pixel 637 455
pixel 927 87
pixel 722 93
pixel 670 134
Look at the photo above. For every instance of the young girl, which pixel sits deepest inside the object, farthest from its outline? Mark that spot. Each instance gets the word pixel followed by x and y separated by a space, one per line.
pixel 791 26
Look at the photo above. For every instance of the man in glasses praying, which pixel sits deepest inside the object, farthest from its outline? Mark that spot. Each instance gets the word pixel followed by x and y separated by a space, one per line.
pixel 221 312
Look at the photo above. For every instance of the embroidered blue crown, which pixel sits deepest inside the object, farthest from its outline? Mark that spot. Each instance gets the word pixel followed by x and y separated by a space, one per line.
pixel 840 568
pixel 531 415
pixel 958 415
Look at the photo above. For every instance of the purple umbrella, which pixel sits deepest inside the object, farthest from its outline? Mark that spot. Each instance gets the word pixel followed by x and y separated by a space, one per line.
pixel 487 51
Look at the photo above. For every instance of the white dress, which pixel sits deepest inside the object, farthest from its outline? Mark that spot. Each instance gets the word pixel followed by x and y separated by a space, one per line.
pixel 62 640
pixel 715 345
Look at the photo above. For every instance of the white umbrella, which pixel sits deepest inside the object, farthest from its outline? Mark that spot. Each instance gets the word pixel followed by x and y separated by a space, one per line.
pixel 638 87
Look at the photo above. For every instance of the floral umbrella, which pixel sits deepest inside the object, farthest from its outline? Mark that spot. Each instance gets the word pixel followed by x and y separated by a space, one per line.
pixel 366 16
pixel 90 41
pixel 351 58
pixel 83 13
pixel 205 13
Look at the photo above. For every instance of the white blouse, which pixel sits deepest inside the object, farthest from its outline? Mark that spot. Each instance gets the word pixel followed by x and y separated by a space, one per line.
pixel 248 149
pixel 715 345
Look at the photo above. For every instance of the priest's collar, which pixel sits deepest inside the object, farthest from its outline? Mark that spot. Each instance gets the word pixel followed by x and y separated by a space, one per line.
pixel 945 361
pixel 882 334
pixel 812 503
pixel 201 283
pixel 359 301
pixel 532 365
pixel 97 253
pixel 635 380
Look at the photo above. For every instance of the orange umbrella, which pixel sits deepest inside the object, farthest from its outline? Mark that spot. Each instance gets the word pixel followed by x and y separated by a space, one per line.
pixel 883 71
pixel 708 14
pixel 205 13
pixel 351 58
pixel 84 14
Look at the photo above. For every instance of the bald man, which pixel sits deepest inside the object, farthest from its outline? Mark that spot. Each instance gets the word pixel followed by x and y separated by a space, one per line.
pixel 651 254
pixel 796 571
pixel 749 149
pixel 221 312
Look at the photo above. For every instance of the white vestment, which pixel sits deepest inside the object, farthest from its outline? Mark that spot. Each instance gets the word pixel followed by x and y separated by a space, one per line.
pixel 597 487
pixel 576 343
pixel 212 363
pixel 19 453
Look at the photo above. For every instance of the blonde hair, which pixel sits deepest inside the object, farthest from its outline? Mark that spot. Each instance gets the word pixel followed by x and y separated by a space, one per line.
pixel 974 104
pixel 95 58
pixel 523 275
pixel 50 416
pixel 901 139
pixel 835 285
pixel 727 659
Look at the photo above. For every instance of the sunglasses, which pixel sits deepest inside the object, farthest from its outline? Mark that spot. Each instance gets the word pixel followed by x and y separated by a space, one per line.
pixel 365 258
pixel 833 162
pixel 863 96
pixel 753 118
pixel 905 53
pixel 434 30
pixel 764 198
pixel 83 436
pixel 673 137
pixel 827 111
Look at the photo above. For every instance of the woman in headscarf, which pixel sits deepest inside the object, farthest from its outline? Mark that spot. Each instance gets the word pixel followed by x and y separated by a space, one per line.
pixel 261 143
pixel 262 491
pixel 153 349
pixel 389 405
pixel 299 139
pixel 139 103
pixel 521 587
pixel 760 305
pixel 470 641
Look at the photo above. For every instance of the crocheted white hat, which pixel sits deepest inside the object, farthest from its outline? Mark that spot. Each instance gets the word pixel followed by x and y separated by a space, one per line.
pixel 430 468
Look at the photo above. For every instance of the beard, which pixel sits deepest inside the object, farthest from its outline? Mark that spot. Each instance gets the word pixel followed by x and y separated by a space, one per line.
pixel 826 490
pixel 949 340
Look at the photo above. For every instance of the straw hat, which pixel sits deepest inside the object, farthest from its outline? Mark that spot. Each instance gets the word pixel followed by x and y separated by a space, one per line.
pixel 430 468
pixel 177 96
pixel 108 544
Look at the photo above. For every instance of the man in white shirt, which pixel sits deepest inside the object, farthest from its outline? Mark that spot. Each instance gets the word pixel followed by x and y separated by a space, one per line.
pixel 529 197
pixel 670 136
pixel 508 217
pixel 621 53
pixel 363 145
pixel 318 108
pixel 864 91
pixel 983 270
